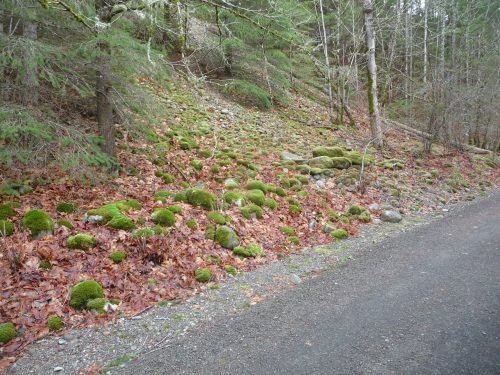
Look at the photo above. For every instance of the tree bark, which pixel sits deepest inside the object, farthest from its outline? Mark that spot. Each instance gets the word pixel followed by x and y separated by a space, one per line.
pixel 373 106
pixel 103 96
pixel 30 92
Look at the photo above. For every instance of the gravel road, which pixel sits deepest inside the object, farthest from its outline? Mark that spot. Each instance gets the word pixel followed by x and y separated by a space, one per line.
pixel 424 302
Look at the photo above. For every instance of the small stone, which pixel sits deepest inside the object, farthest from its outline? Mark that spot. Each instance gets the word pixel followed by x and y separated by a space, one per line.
pixel 391 217
pixel 62 342
pixel 224 111
pixel 445 210
pixel 320 184
pixel 58 369
pixel 295 279
pixel 374 207
pixel 377 221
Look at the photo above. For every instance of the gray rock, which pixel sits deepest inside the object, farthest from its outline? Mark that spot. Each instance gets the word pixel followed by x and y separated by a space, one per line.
pixel 328 228
pixel 296 158
pixel 226 237
pixel 377 221
pixel 391 217
pixel 322 162
pixel 230 183
pixel 320 184
pixel 295 279
pixel 374 207
pixel 58 369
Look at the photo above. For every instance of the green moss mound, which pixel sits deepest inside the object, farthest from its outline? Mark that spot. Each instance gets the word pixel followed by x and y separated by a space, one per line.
pixel 217 217
pixel 163 217
pixel 202 275
pixel 6 211
pixel 191 223
pixel 6 228
pixel 65 223
pixel 364 216
pixel 97 304
pixel 162 196
pixel 196 164
pixel 54 323
pixel 233 197
pixel 288 230
pixel 355 209
pixel 104 214
pixel 281 192
pixel 38 223
pixel 327 151
pixel 210 232
pixel 81 241
pixel 117 256
pixel 226 237
pixel 197 197
pixel 83 292
pixel 127 205
pixel 66 207
pixel 339 234
pixel 294 239
pixel 256 196
pixel 121 222
pixel 252 250
pixel 356 158
pixel 175 209
pixel 230 270
pixel 271 203
pixel 294 209
pixel 159 230
pixel 7 332
pixel 250 210
pixel 257 185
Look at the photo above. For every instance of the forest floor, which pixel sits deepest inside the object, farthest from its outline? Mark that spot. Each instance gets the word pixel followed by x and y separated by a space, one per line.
pixel 232 142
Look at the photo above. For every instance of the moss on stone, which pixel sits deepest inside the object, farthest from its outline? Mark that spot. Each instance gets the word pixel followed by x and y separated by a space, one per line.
pixel 158 229
pixel 202 275
pixel 38 223
pixel 217 217
pixel 143 232
pixel 6 228
pixel 104 214
pixel 65 223
pixel 66 207
pixel 81 241
pixel 159 173
pixel 201 198
pixel 6 211
pixel 321 162
pixel 252 209
pixel 233 197
pixel 302 179
pixel 226 237
pixel 181 196
pixel 175 209
pixel 164 217
pixel 356 158
pixel 355 209
pixel 256 185
pixel 254 249
pixel 45 265
pixel 294 209
pixel 288 230
pixel 83 292
pixel 281 192
pixel 327 151
pixel 332 215
pixel 294 239
pixel 168 178
pixel 97 304
pixel 54 323
pixel 162 196
pixel 7 332
pixel 215 169
pixel 271 203
pixel 230 270
pixel 304 169
pixel 365 216
pixel 339 234
pixel 241 251
pixel 121 222
pixel 191 223
pixel 256 196
pixel 247 164
pixel 117 256
pixel 302 194
pixel 196 164
pixel 340 163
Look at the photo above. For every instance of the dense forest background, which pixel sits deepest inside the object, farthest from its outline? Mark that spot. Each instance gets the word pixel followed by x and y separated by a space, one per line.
pixel 437 66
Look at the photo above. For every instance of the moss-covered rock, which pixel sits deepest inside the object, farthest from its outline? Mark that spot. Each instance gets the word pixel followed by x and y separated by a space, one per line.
pixel 81 241
pixel 339 234
pixel 294 239
pixel 250 210
pixel 168 178
pixel 356 158
pixel 54 323
pixel 252 250
pixel 256 185
pixel 271 203
pixel 281 192
pixel 143 232
pixel 104 214
pixel 226 237
pixel 83 292
pixel 332 215
pixel 210 232
pixel 288 230
pixel 233 197
pixel 6 228
pixel 191 223
pixel 121 222
pixel 38 223
pixel 340 163
pixel 97 304
pixel 117 256
pixel 197 164
pixel 294 209
pixel 202 275
pixel 328 151
pixel 230 270
pixel 256 196
pixel 217 217
pixel 7 332
pixel 6 211
pixel 164 217
pixel 355 209
pixel 158 229
pixel 201 198
pixel 231 183
pixel 66 207
pixel 65 223
pixel 321 162
pixel 365 216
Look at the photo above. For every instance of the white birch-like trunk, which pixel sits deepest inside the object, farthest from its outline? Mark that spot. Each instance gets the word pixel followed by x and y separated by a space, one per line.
pixel 327 60
pixel 373 106
pixel 426 30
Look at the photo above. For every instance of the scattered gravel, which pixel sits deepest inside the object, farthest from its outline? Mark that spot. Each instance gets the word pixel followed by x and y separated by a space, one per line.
pixel 156 328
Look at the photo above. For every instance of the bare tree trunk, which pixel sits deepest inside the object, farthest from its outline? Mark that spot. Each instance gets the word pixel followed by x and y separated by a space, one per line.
pixel 103 96
pixel 30 92
pixel 327 61
pixel 373 107
pixel 426 30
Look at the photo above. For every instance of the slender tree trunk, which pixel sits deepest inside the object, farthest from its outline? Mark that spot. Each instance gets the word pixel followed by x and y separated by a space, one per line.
pixel 103 96
pixel 426 30
pixel 327 60
pixel 373 107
